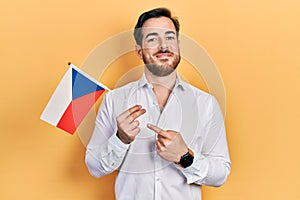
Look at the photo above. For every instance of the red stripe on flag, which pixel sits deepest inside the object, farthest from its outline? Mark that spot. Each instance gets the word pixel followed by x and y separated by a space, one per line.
pixel 66 122
pixel 77 110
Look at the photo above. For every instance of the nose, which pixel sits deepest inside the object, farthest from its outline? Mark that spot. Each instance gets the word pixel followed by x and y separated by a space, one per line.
pixel 163 45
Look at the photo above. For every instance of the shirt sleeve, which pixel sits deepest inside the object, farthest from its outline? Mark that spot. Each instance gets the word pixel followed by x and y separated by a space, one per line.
pixel 105 151
pixel 211 165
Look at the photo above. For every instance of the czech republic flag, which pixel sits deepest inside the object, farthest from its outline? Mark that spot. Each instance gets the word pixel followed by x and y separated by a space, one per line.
pixel 75 95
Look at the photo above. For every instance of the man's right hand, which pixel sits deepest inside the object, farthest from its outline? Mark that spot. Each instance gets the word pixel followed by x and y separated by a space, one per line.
pixel 128 127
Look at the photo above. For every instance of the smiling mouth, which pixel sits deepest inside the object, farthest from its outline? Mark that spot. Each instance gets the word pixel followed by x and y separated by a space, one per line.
pixel 163 55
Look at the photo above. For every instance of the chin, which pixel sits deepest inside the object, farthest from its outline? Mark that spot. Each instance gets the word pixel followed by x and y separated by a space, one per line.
pixel 160 70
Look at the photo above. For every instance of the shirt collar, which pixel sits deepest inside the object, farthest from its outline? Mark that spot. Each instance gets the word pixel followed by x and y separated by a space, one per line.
pixel 178 84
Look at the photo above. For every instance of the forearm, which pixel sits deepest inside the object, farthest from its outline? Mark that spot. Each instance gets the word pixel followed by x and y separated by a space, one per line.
pixel 208 170
pixel 211 164
pixel 105 158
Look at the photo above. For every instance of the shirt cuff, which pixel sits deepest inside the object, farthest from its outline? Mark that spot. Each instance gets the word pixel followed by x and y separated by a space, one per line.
pixel 197 171
pixel 118 143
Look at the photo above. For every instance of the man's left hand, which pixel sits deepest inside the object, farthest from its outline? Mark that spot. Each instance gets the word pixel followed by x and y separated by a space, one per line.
pixel 169 144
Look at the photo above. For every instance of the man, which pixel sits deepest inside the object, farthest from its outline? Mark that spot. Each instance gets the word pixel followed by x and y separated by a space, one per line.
pixel 164 136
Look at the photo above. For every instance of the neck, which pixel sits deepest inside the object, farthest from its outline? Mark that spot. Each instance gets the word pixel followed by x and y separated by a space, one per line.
pixel 166 81
pixel 162 86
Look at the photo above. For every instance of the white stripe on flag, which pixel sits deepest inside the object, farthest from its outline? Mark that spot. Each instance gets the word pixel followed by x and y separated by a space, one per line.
pixel 59 101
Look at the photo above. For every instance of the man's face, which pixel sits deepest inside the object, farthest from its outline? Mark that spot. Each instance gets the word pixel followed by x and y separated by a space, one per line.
pixel 160 49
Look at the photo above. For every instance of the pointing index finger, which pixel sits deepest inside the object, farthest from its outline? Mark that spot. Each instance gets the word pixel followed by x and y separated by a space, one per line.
pixel 154 128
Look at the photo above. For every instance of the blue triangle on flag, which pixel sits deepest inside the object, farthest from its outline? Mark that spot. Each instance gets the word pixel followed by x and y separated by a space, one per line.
pixel 81 85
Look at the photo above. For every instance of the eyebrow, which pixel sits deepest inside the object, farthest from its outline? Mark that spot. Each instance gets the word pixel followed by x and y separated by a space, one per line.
pixel 151 34
pixel 170 32
pixel 156 34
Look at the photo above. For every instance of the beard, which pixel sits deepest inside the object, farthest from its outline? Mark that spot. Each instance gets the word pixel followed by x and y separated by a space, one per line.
pixel 163 69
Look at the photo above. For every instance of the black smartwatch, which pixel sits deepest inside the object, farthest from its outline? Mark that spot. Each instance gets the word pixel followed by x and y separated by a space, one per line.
pixel 187 159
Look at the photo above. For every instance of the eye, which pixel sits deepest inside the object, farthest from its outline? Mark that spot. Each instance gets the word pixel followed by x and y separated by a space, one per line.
pixel 152 40
pixel 171 37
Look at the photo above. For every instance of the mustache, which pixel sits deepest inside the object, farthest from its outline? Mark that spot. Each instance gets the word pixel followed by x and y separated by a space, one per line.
pixel 164 51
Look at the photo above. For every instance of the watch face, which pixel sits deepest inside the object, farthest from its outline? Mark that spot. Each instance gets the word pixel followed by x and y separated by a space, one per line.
pixel 186 160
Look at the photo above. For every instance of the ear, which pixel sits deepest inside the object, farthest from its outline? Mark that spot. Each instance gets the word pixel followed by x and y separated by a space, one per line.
pixel 138 51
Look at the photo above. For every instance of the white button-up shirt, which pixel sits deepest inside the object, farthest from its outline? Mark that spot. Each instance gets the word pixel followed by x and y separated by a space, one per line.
pixel 143 174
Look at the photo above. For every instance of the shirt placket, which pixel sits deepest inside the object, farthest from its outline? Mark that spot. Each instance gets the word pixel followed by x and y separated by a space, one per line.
pixel 155 116
pixel 157 177
pixel 159 162
pixel 159 120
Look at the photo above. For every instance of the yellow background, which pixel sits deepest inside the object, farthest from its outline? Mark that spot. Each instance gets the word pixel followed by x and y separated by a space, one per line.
pixel 255 45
